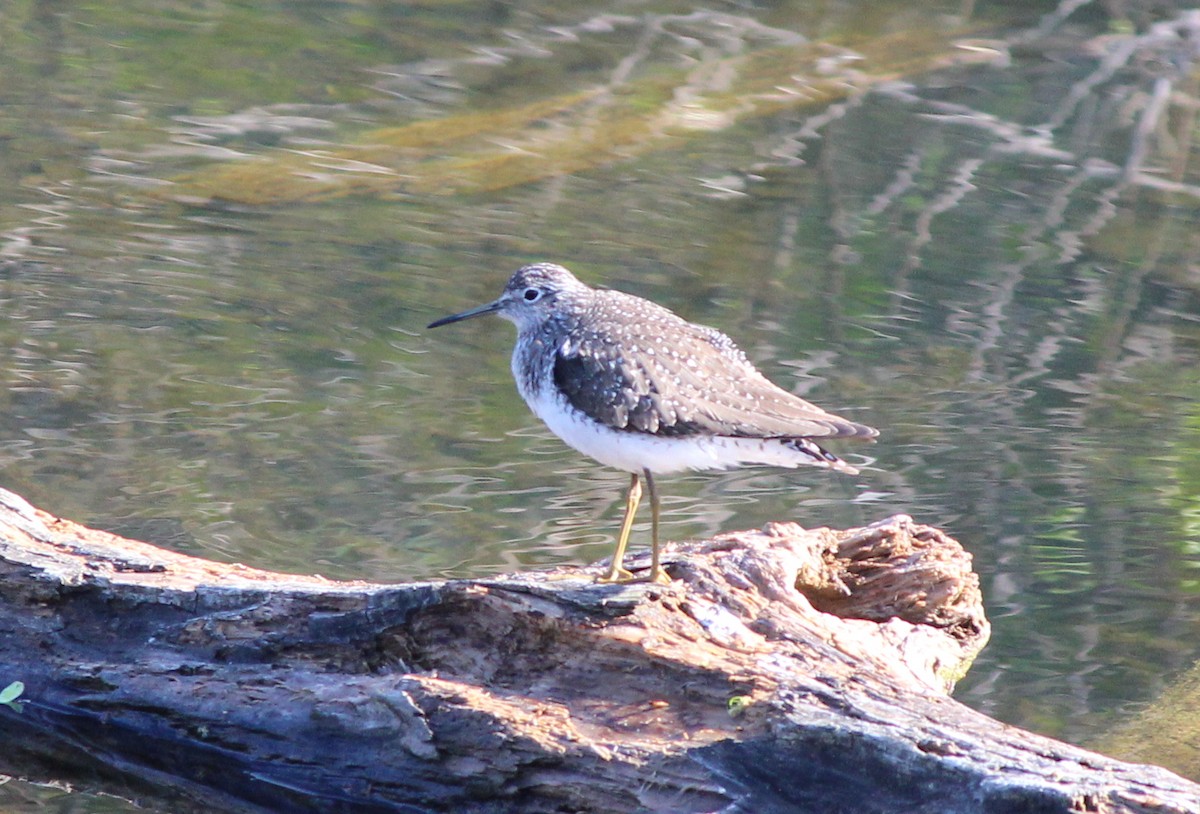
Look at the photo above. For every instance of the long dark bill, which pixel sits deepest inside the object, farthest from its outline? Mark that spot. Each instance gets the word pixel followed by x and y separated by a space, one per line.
pixel 489 308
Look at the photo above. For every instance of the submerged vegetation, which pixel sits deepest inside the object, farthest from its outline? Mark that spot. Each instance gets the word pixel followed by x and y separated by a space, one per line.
pixel 651 100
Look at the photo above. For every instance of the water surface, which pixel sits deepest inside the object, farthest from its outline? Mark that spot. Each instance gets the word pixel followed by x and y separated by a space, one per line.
pixel 223 229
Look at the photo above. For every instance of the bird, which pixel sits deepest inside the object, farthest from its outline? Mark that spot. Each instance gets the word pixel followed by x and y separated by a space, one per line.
pixel 638 388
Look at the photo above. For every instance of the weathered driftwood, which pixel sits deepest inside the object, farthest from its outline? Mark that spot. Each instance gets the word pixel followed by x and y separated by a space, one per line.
pixel 248 690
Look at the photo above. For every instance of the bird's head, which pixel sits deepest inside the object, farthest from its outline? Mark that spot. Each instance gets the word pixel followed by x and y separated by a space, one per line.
pixel 530 297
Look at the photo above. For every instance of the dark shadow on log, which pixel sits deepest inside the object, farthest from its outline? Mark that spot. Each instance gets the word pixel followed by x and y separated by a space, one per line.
pixel 784 670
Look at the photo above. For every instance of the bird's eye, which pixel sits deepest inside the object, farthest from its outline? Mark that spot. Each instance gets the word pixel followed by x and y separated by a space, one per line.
pixel 532 294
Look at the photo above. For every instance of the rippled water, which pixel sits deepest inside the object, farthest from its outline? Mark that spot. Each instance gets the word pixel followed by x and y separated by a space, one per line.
pixel 214 277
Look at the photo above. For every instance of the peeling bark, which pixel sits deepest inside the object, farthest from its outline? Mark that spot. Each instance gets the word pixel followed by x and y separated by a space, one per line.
pixel 160 674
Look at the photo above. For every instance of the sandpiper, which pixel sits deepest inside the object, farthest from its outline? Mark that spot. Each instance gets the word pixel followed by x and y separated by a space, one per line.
pixel 632 385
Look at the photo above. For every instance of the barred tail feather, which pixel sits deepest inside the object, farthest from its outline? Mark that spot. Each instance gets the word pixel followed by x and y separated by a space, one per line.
pixel 819 455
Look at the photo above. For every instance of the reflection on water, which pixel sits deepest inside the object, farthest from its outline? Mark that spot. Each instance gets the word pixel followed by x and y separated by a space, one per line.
pixel 212 288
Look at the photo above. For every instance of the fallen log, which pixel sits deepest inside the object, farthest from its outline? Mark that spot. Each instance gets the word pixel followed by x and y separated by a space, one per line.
pixel 783 670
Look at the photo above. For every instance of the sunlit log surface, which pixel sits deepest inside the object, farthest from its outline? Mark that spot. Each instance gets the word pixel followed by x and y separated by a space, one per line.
pixel 783 670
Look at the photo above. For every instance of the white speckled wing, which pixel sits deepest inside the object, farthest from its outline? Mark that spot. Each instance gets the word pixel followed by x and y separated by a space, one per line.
pixel 638 367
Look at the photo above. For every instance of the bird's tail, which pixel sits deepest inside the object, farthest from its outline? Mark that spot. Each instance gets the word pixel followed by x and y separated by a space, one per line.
pixel 819 455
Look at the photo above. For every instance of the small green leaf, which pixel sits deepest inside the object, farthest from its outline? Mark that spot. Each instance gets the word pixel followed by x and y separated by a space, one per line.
pixel 12 692
pixel 738 704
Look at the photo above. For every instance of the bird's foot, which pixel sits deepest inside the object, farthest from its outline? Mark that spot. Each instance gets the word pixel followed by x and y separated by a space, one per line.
pixel 623 576
pixel 657 575
pixel 617 576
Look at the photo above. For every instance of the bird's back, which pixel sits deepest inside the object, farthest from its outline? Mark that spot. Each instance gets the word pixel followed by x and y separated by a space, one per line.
pixel 635 366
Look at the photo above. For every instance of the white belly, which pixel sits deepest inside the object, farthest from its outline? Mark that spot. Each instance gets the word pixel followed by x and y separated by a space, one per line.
pixel 634 451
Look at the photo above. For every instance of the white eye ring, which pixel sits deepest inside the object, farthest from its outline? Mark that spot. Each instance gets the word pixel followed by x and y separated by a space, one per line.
pixel 532 294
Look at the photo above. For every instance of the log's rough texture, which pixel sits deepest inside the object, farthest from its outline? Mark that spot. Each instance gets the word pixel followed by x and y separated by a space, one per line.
pixel 243 690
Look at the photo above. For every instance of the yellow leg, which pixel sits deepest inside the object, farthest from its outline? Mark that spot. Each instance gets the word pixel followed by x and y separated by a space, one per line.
pixel 617 573
pixel 657 574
